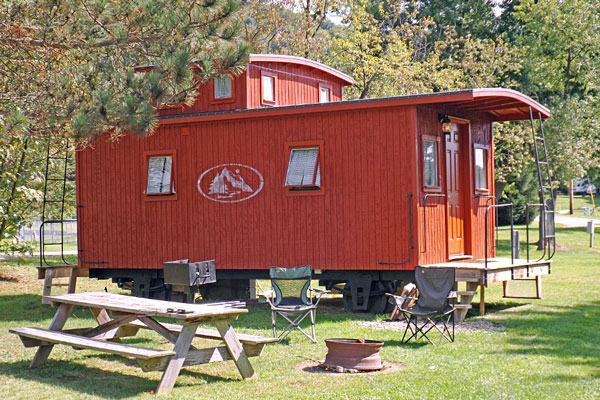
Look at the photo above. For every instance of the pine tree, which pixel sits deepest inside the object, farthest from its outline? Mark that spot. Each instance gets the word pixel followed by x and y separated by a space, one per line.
pixel 71 67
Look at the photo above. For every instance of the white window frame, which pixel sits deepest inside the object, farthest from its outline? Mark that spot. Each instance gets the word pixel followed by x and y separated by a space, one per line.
pixel 268 98
pixel 481 154
pixel 324 90
pixel 165 186
pixel 436 144
pixel 311 180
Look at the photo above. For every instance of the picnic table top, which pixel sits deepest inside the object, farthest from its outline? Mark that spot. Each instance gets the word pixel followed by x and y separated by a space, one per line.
pixel 151 307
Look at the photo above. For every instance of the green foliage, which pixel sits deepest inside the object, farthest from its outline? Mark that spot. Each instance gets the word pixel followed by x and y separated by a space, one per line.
pixel 519 192
pixel 466 17
pixel 22 180
pixel 387 55
pixel 70 67
pixel 12 246
pixel 573 135
pixel 290 27
pixel 562 42
pixel 511 151
pixel 561 67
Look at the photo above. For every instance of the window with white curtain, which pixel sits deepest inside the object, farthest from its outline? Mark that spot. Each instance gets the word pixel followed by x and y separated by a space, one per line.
pixel 268 88
pixel 304 169
pixel 160 175
pixel 222 86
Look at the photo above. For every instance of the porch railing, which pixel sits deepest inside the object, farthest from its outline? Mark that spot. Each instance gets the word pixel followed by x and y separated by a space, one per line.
pixel 512 229
pixel 547 239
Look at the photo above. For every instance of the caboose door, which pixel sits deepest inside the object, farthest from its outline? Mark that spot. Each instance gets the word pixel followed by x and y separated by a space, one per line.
pixel 455 190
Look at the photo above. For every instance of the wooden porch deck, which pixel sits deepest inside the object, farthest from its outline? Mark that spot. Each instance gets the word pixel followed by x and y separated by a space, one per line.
pixel 477 276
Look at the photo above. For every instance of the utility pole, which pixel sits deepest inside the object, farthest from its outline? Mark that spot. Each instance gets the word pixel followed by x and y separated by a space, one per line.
pixel 571 197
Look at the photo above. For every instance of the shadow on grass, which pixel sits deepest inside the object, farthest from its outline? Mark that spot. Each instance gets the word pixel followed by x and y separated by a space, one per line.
pixel 28 308
pixel 94 381
pixel 329 310
pixel 77 378
pixel 494 307
pixel 412 345
pixel 570 334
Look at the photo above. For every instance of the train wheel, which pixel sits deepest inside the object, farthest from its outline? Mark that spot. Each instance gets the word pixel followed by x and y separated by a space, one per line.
pixel 377 302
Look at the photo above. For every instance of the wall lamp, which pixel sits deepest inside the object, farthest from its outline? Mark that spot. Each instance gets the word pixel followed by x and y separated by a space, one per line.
pixel 446 124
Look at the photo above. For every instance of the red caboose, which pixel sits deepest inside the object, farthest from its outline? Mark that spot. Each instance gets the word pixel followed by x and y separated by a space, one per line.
pixel 272 167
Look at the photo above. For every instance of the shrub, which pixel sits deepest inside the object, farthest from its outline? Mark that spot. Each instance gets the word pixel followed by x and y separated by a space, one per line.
pixel 12 246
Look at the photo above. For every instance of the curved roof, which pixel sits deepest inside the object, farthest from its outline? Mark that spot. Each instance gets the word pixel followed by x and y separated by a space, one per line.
pixel 281 58
pixel 503 104
pixel 500 104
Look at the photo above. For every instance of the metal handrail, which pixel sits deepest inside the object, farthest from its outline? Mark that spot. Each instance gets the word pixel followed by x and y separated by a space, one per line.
pixel 489 197
pixel 512 255
pixel 62 242
pixel 543 228
pixel 410 233
pixel 428 195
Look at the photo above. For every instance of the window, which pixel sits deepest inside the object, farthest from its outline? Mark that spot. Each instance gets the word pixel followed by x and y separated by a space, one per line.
pixel 430 163
pixel 324 94
pixel 480 168
pixel 268 88
pixel 160 175
pixel 304 169
pixel 222 87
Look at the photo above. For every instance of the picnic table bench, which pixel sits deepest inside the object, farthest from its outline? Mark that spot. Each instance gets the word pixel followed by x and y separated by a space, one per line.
pixel 132 313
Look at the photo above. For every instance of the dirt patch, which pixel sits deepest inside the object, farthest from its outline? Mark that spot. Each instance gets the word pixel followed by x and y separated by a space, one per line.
pixel 465 326
pixel 317 367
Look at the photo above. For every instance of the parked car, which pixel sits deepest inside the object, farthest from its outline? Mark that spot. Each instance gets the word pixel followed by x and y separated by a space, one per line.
pixel 583 187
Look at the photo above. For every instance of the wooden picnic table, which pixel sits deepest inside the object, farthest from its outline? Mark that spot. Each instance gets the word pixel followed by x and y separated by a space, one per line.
pixel 131 313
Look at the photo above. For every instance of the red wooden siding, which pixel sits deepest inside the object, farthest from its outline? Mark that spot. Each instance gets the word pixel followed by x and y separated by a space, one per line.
pixel 367 170
pixel 205 101
pixel 296 84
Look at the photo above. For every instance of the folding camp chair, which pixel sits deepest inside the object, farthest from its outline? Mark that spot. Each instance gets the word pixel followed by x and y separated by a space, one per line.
pixel 291 298
pixel 433 308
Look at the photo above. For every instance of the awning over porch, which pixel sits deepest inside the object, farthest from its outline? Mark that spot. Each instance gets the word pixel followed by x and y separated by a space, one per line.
pixel 502 104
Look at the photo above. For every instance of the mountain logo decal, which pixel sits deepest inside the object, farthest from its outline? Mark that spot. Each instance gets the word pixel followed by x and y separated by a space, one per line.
pixel 230 183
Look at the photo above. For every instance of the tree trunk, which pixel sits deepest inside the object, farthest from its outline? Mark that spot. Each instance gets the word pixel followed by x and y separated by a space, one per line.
pixel 13 190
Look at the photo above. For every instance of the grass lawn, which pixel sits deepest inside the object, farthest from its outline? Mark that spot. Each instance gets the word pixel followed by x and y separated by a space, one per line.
pixel 547 349
pixel 562 203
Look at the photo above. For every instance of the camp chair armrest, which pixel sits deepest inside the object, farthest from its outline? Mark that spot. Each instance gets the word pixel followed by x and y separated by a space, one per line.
pixel 319 293
pixel 402 298
pixel 266 296
pixel 399 301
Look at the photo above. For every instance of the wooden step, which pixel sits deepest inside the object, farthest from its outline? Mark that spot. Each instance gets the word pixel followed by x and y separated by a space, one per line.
pixel 460 312
pixel 466 293
pixel 32 337
pixel 462 306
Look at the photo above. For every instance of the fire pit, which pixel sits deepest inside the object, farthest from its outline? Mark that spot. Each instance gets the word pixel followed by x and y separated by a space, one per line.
pixel 357 354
